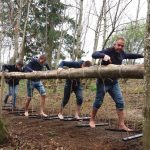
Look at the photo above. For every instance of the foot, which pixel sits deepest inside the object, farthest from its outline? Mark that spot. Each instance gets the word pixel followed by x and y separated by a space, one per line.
pixel 77 117
pixel 92 124
pixel 60 116
pixel 124 127
pixel 43 114
pixel 26 113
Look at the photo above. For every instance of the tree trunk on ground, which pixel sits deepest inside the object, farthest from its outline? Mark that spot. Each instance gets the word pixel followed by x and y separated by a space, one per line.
pixel 110 71
pixel 146 138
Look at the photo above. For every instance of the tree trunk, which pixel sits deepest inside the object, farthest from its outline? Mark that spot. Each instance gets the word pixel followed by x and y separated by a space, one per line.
pixel 147 84
pixel 110 71
pixel 22 51
pixel 79 31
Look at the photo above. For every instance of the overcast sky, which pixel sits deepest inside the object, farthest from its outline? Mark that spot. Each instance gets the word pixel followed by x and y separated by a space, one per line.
pixel 128 15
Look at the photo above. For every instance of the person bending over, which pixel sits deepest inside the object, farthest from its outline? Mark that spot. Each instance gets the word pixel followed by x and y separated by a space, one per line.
pixel 113 55
pixel 72 85
pixel 36 64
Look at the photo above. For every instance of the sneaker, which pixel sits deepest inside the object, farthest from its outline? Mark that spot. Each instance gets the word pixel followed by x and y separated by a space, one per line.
pixel 26 113
pixel 60 116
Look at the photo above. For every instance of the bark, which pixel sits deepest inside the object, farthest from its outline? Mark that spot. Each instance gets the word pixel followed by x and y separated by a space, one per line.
pixel 146 129
pixel 110 71
pixel 22 51
pixel 98 27
pixel 79 31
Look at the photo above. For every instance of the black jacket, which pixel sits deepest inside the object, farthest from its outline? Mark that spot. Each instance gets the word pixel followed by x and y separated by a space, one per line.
pixel 11 68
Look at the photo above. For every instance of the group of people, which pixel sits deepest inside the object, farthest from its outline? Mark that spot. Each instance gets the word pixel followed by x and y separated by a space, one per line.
pixel 113 55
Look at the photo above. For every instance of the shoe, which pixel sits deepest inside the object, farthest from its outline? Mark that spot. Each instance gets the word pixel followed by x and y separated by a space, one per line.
pixel 26 113
pixel 60 116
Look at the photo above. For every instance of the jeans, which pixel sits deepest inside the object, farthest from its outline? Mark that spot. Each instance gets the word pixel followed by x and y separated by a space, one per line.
pixel 12 91
pixel 113 90
pixel 68 89
pixel 31 85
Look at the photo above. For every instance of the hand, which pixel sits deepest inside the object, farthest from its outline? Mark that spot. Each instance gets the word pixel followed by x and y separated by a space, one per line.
pixel 107 58
pixel 59 69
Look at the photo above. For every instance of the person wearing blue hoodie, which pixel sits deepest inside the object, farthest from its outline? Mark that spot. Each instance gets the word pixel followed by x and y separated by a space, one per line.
pixel 114 55
pixel 36 64
pixel 72 85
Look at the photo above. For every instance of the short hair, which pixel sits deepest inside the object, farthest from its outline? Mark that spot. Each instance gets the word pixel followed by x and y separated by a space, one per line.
pixel 87 63
pixel 19 62
pixel 120 38
pixel 43 56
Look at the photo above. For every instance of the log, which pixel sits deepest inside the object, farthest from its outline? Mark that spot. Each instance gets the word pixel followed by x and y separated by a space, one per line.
pixel 110 71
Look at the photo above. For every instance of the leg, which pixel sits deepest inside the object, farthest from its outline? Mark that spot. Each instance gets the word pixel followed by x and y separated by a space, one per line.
pixel 8 94
pixel 116 94
pixel 101 89
pixel 14 95
pixel 79 98
pixel 42 105
pixel 29 96
pixel 40 87
pixel 67 93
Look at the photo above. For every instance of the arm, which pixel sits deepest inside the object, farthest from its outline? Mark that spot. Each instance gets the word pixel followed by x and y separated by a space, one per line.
pixel 70 64
pixel 28 67
pixel 47 66
pixel 98 54
pixel 132 56
pixel 6 67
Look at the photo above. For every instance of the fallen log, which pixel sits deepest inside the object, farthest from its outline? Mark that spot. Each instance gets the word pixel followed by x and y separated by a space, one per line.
pixel 110 71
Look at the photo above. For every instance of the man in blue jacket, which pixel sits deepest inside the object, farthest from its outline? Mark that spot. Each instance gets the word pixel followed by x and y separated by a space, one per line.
pixel 12 83
pixel 73 85
pixel 113 55
pixel 36 64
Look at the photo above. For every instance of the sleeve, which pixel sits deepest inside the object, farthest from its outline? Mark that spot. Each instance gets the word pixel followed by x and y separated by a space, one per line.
pixel 47 66
pixel 28 67
pixel 132 56
pixel 6 67
pixel 70 64
pixel 98 54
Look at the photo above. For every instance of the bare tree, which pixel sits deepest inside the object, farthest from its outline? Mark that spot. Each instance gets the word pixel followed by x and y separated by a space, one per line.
pixel 147 83
pixel 98 26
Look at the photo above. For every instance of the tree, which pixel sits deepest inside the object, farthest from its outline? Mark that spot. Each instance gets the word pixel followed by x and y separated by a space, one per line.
pixel 147 83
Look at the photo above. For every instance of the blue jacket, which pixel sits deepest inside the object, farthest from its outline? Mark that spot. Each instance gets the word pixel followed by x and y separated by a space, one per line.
pixel 34 65
pixel 116 58
pixel 71 64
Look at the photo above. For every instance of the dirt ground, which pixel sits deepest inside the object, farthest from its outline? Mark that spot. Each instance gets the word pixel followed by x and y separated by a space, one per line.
pixel 39 134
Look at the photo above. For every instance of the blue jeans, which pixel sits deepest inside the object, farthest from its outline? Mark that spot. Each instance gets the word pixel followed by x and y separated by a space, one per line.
pixel 12 91
pixel 31 85
pixel 114 91
pixel 68 89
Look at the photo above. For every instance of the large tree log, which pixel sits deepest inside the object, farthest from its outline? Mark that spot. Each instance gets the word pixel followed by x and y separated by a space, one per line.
pixel 110 71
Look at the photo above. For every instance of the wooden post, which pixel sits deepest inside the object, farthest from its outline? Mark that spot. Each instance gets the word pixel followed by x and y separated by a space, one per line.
pixel 2 89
